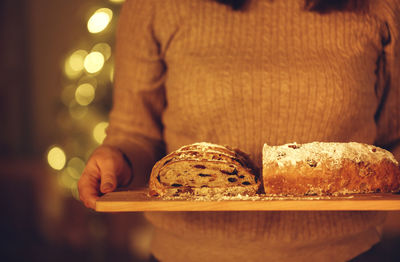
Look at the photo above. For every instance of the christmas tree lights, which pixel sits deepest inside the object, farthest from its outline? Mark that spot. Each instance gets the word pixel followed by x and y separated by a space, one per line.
pixel 85 99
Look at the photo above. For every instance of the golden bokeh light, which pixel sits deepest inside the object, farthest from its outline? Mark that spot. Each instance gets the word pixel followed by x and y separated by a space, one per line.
pixel 75 167
pixel 65 180
pixel 88 72
pixel 84 94
pixel 74 64
pixel 93 62
pixel 104 49
pixel 76 60
pixel 99 20
pixel 99 132
pixel 56 158
pixel 71 74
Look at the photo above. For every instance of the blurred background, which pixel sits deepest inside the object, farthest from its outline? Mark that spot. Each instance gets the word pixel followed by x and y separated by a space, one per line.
pixel 56 60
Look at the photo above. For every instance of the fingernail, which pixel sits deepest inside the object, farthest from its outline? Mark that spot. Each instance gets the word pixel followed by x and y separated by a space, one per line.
pixel 107 186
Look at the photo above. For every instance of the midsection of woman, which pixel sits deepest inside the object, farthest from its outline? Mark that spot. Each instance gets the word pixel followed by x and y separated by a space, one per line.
pixel 270 73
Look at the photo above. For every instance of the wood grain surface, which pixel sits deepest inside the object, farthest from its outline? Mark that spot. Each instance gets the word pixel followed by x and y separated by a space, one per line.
pixel 138 200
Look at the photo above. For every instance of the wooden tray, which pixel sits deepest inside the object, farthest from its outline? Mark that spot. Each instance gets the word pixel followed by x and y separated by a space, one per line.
pixel 138 200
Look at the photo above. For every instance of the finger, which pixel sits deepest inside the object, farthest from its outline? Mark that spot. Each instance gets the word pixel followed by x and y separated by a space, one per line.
pixel 109 169
pixel 88 187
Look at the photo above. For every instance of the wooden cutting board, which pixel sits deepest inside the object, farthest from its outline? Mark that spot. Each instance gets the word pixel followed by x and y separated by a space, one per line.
pixel 138 200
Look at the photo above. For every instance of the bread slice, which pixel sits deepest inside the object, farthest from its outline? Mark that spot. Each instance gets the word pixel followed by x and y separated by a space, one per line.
pixel 204 169
pixel 320 168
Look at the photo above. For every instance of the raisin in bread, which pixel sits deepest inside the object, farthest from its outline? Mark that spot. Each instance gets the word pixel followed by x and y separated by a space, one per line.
pixel 204 169
pixel 328 168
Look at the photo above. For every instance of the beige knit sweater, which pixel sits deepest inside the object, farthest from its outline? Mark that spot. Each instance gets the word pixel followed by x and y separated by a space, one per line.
pixel 195 70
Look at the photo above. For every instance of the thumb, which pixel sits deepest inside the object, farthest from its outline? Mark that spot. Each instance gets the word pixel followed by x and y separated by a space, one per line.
pixel 109 169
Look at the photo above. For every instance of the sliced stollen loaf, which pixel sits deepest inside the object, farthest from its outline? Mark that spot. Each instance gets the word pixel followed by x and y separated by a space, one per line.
pixel 204 169
pixel 321 168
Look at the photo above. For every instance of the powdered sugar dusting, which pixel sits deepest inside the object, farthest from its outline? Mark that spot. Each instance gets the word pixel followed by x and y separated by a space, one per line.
pixel 315 152
pixel 202 148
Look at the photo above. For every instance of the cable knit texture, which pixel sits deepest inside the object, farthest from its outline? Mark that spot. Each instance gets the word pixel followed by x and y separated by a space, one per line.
pixel 195 70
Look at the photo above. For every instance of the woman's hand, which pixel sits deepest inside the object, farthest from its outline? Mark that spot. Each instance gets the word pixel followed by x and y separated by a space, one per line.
pixel 105 170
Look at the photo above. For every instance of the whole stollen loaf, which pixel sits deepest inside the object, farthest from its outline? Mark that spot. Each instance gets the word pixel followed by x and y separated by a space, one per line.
pixel 322 168
pixel 204 169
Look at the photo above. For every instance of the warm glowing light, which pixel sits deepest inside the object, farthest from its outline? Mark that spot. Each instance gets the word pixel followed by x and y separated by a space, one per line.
pixel 86 69
pixel 99 132
pixel 104 49
pixel 74 64
pixel 99 20
pixel 94 62
pixel 71 74
pixel 65 180
pixel 76 60
pixel 56 158
pixel 84 94
pixel 75 167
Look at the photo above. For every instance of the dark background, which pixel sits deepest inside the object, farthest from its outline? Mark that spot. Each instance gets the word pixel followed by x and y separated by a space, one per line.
pixel 39 221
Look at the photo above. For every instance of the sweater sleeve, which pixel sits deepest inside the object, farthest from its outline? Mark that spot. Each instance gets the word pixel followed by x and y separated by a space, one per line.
pixel 388 115
pixel 138 99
